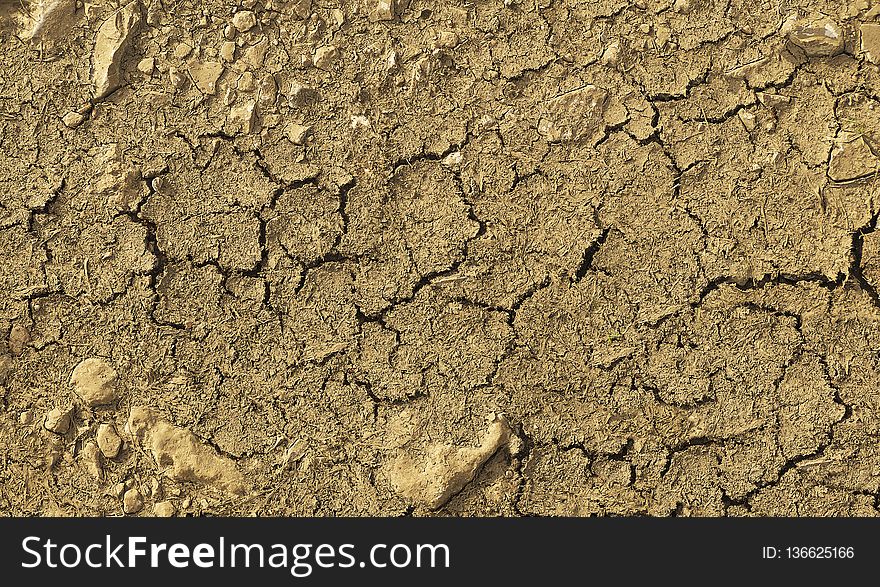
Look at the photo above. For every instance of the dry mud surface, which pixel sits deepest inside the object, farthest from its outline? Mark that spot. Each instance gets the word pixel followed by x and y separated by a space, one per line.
pixel 380 257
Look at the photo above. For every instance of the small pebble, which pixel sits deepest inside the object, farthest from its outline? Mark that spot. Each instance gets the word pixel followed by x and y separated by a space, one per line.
pixel 325 57
pixel 611 54
pixel 182 50
pixel 382 10
pixel 94 381
pixel 146 65
pixel 747 119
pixel 297 133
pixel 132 501
pixel 227 51
pixel 164 509
pixel 176 77
pixel 446 40
pixel 72 119
pixel 244 21
pixel 818 38
pixel 58 420
pixel 25 418
pixel 91 457
pixel 19 337
pixel 108 440
pixel 246 82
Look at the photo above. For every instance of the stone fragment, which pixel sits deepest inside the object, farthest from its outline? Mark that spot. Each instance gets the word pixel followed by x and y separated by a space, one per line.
pixel 114 38
pixel 244 20
pixel 255 55
pixel 268 92
pixel 132 501
pixel 852 159
pixel 242 118
pixel 120 182
pixel 300 94
pixel 52 19
pixel 72 119
pixel 381 10
pixel 180 454
pixel 747 119
pixel 430 480
pixel 818 38
pixel 611 54
pixel 19 337
pixel 146 65
pixel 25 418
pixel 573 115
pixel 182 50
pixel 176 78
pixel 108 441
pixel 164 509
pixel 869 42
pixel 773 101
pixel 91 458
pixel 246 82
pixel 206 75
pixel 297 133
pixel 325 57
pixel 94 381
pixel 446 40
pixel 302 8
pixel 227 51
pixel 58 420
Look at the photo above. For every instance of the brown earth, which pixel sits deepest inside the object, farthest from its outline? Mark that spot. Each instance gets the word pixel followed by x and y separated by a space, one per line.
pixel 380 257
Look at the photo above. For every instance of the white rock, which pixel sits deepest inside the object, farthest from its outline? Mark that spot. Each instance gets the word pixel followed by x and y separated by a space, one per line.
pixel 72 119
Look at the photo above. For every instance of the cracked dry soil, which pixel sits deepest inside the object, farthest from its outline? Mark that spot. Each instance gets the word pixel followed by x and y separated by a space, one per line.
pixel 385 257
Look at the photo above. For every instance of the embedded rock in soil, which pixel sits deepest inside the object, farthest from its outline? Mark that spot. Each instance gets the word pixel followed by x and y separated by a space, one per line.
pixel 132 501
pixel 113 40
pixel 120 183
pixel 58 420
pixel 91 458
pixel 52 19
pixel 869 42
pixel 818 38
pixel 94 381
pixel 181 455
pixel 574 115
pixel 871 258
pixel 430 480
pixel 852 160
pixel 108 440
pixel 164 509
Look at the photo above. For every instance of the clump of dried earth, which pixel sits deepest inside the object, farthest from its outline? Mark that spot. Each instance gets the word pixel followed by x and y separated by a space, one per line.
pixel 385 257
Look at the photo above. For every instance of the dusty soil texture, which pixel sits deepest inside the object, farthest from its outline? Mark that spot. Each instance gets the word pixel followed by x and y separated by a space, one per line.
pixel 389 257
